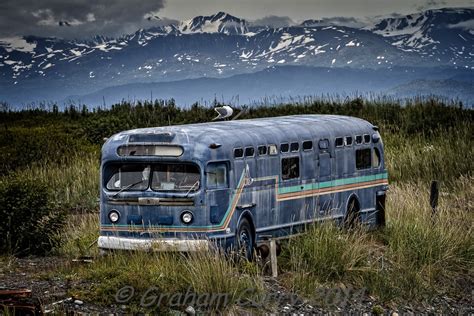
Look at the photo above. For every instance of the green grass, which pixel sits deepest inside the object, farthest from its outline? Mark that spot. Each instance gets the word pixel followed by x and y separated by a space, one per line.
pixel 80 235
pixel 416 257
pixel 75 184
pixel 168 275
pixel 445 155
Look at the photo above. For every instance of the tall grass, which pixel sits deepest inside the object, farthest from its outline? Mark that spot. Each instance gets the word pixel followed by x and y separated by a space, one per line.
pixel 427 253
pixel 75 185
pixel 161 281
pixel 445 155
pixel 417 256
pixel 79 236
pixel 326 254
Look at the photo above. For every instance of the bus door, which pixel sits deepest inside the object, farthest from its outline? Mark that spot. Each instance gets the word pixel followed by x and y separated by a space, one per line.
pixel 267 162
pixel 250 167
pixel 244 173
pixel 325 162
pixel 217 189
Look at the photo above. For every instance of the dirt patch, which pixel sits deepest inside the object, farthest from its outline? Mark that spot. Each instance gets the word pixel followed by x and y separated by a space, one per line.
pixel 39 274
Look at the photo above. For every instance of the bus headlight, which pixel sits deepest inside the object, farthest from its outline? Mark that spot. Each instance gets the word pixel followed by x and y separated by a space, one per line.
pixel 187 217
pixel 114 216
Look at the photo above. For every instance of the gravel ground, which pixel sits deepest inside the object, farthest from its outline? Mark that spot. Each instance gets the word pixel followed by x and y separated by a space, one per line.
pixel 37 274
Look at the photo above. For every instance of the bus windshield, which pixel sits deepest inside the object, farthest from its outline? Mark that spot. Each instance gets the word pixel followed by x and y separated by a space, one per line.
pixel 160 177
pixel 175 177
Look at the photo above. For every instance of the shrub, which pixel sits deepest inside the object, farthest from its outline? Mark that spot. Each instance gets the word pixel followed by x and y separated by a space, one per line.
pixel 79 236
pixel 326 254
pixel 30 221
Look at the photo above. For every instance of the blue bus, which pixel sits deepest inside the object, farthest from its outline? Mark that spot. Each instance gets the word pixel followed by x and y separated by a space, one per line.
pixel 238 183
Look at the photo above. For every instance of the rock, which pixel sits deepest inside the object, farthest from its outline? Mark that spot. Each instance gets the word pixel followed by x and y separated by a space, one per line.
pixel 190 310
pixel 78 302
pixel 394 314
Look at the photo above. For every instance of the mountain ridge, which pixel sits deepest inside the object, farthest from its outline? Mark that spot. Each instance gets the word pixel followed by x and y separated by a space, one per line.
pixel 222 45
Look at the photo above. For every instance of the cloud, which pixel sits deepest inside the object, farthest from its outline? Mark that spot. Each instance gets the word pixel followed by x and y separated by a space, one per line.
pixel 465 25
pixel 273 21
pixel 337 20
pixel 430 4
pixel 77 18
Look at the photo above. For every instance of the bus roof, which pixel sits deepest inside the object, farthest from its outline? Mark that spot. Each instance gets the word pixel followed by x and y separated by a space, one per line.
pixel 247 132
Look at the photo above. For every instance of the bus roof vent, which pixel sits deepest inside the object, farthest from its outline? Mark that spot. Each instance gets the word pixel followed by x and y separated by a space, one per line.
pixel 151 138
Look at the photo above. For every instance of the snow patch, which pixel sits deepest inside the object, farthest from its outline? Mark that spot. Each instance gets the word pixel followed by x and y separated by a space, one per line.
pixel 351 43
pixel 17 43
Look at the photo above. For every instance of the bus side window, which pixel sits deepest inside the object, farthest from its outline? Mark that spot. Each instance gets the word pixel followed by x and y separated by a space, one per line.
pixel 249 152
pixel 348 141
pixel 290 168
pixel 307 145
pixel 363 159
pixel 272 150
pixel 339 142
pixel 376 158
pixel 366 138
pixel 294 147
pixel 324 144
pixel 238 152
pixel 217 175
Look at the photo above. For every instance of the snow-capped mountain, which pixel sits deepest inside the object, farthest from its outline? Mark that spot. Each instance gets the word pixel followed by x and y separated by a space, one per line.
pixel 444 34
pixel 222 45
pixel 217 23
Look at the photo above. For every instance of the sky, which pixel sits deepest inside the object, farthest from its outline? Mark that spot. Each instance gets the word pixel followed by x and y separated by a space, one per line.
pixel 86 18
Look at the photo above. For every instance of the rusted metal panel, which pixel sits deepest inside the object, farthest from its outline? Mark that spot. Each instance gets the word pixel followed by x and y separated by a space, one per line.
pixel 19 302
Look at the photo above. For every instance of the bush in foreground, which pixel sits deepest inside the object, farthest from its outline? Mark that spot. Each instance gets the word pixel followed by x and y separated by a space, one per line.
pixel 30 220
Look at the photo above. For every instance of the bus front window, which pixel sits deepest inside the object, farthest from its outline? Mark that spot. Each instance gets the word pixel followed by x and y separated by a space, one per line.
pixel 129 177
pixel 175 177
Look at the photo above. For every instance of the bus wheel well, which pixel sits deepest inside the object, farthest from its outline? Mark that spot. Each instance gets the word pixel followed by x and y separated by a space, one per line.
pixel 247 216
pixel 245 237
pixel 352 212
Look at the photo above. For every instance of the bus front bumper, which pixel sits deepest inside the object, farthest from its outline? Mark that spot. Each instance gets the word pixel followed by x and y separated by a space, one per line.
pixel 162 244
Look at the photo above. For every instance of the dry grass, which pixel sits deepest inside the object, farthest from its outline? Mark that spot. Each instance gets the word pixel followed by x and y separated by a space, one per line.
pixel 80 236
pixel 75 185
pixel 161 281
pixel 415 257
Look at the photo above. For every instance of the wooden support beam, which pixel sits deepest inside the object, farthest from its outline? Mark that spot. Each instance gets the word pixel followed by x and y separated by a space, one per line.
pixel 273 258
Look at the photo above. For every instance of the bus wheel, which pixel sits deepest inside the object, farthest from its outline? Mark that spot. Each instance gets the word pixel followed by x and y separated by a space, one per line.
pixel 245 240
pixel 352 218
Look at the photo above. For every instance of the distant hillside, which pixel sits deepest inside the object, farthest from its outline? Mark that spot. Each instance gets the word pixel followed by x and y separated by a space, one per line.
pixel 454 89
pixel 282 83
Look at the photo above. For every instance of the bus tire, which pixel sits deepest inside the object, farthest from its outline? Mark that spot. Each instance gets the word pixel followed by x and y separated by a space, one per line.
pixel 352 218
pixel 245 240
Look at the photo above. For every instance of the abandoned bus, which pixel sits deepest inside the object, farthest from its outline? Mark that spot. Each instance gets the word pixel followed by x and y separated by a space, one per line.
pixel 238 183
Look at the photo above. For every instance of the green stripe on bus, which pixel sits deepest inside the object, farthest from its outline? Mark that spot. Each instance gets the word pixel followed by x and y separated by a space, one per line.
pixel 332 183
